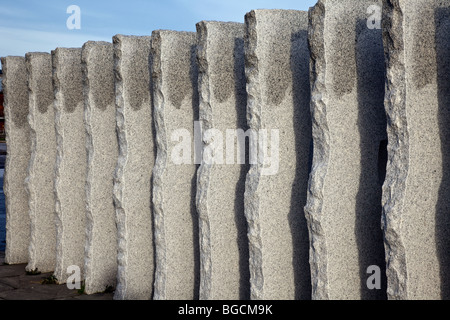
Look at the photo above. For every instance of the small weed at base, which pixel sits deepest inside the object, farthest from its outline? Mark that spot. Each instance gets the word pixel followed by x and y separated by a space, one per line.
pixel 82 289
pixel 50 280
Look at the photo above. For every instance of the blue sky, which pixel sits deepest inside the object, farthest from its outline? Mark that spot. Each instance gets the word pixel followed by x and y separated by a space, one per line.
pixel 27 26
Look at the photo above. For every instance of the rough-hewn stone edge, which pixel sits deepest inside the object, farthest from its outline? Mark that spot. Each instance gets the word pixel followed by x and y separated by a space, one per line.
pixel 394 186
pixel 251 195
pixel 89 271
pixel 121 222
pixel 30 184
pixel 58 107
pixel 88 248
pixel 204 170
pixel 159 168
pixel 8 161
pixel 320 132
pixel 31 165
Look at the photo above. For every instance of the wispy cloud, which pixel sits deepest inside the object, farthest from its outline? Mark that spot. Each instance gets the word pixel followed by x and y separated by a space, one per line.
pixel 21 41
pixel 14 12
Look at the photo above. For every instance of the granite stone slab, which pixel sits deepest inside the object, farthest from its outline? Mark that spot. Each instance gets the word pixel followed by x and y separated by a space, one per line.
pixel 220 184
pixel 277 71
pixel 102 153
pixel 416 198
pixel 41 169
pixel 132 177
pixel 349 132
pixel 70 173
pixel 174 76
pixel 17 130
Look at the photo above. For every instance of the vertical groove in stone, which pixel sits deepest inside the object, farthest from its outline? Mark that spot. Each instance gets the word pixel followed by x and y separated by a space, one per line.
pixel 121 219
pixel 254 105
pixel 29 181
pixel 59 223
pixel 320 132
pixel 89 248
pixel 204 171
pixel 159 169
pixel 394 187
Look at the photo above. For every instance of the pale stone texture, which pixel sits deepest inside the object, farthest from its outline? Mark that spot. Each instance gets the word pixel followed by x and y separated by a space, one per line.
pixel 19 150
pixel 349 130
pixel 41 169
pixel 70 173
pixel 277 71
pixel 220 187
pixel 102 152
pixel 416 193
pixel 174 76
pixel 132 178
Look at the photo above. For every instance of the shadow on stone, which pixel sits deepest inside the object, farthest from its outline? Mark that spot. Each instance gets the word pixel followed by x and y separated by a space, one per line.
pixel 442 229
pixel 370 76
pixel 150 63
pixel 299 65
pixel 241 123
pixel 194 214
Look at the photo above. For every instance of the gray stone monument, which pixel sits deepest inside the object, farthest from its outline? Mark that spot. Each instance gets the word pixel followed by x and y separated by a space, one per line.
pixel 102 152
pixel 19 150
pixel 41 169
pixel 132 178
pixel 277 71
pixel 349 129
pixel 220 187
pixel 416 193
pixel 174 77
pixel 71 159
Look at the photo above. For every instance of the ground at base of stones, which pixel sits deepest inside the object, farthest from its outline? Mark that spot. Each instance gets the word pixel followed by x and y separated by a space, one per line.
pixel 16 284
